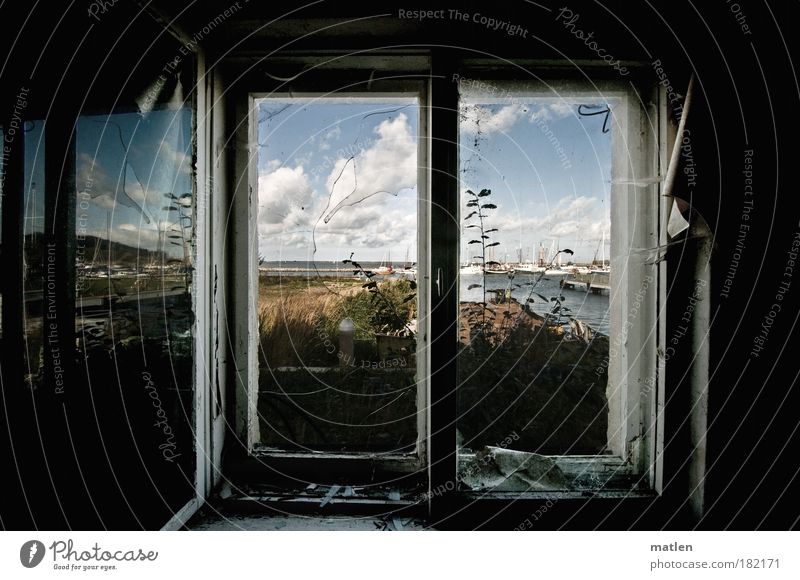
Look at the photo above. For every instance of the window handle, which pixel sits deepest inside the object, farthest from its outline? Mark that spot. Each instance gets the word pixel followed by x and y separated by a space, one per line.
pixel 439 282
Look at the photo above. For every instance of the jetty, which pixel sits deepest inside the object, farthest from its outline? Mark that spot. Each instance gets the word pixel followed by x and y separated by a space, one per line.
pixel 594 282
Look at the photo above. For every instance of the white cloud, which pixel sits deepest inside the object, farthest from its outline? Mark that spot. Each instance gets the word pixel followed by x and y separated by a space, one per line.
pixel 386 168
pixel 284 199
pixel 561 109
pixel 171 158
pixel 570 217
pixel 576 222
pixel 136 236
pixel 332 135
pixel 304 160
pixel 105 192
pixel 364 229
pixel 480 119
pixel 132 235
pixel 552 111
pixel 372 205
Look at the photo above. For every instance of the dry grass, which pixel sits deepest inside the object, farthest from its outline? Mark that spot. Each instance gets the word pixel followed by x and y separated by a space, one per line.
pixel 293 328
pixel 298 318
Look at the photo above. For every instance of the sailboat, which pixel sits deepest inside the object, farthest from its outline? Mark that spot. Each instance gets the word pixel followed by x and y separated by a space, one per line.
pixel 504 269
pixel 602 269
pixel 385 269
pixel 409 269
pixel 523 267
pixel 557 271
pixel 467 269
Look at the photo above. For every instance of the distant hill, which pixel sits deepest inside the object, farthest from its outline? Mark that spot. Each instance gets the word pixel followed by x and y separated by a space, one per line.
pixel 95 252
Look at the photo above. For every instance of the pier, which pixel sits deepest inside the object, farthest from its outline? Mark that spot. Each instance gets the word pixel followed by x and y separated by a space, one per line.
pixel 596 283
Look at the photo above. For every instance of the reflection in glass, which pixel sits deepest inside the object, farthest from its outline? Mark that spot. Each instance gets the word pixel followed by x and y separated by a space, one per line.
pixel 32 248
pixel 133 263
pixel 337 310
pixel 534 283
pixel 2 183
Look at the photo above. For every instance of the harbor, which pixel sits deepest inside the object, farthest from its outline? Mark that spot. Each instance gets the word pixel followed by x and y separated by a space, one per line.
pixel 598 282
pixel 586 301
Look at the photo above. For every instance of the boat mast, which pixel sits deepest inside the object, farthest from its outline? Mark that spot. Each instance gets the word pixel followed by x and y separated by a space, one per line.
pixel 603 252
pixel 108 237
pixel 558 251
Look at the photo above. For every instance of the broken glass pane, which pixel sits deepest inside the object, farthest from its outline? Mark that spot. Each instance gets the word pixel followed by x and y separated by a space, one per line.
pixel 534 282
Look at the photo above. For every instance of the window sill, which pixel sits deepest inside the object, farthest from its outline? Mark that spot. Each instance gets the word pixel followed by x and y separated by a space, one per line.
pixel 557 495
pixel 564 475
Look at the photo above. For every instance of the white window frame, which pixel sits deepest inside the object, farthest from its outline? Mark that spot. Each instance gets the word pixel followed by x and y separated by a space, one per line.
pixel 635 389
pixel 246 293
pixel 636 433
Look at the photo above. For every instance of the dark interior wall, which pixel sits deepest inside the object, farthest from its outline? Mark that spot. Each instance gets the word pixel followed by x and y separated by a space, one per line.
pixel 749 89
pixel 747 93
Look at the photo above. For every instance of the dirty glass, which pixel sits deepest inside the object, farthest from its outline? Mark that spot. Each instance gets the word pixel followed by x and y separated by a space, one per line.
pixel 337 242
pixel 33 207
pixel 535 171
pixel 133 263
pixel 2 183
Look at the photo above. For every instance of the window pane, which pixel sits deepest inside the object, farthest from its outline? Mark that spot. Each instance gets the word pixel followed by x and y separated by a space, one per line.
pixel 534 284
pixel 133 291
pixel 2 184
pixel 32 247
pixel 337 243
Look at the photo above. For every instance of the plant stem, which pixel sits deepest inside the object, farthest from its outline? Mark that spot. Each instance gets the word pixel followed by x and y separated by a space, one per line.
pixel 483 261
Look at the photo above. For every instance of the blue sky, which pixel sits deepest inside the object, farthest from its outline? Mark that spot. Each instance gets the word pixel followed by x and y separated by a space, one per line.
pixel 131 191
pixel 127 164
pixel 337 178
pixel 548 168
pixel 34 178
pixel 128 191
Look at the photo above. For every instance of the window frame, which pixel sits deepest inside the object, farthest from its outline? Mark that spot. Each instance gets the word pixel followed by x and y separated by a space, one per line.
pixel 640 438
pixel 245 270
pixel 636 405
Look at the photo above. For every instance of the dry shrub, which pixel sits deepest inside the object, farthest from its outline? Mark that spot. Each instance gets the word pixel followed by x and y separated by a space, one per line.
pixel 295 329
pixel 298 325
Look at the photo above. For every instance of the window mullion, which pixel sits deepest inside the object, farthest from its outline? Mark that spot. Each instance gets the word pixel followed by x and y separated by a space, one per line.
pixel 445 234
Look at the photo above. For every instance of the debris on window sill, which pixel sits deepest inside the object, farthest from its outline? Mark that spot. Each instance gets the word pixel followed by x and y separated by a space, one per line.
pixel 498 469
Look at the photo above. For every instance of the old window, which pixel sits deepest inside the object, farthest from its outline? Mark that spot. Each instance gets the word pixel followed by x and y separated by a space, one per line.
pixel 33 250
pixel 337 273
pixel 557 297
pixel 133 279
pixel 553 228
pixel 330 294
